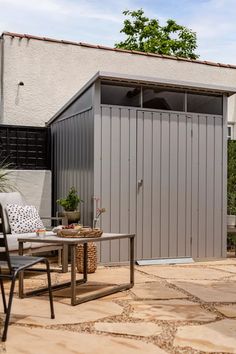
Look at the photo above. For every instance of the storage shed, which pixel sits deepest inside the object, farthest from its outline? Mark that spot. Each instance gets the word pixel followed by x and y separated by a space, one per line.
pixel 154 152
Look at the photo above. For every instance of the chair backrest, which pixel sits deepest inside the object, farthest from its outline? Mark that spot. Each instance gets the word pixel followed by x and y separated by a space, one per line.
pixel 9 198
pixel 4 251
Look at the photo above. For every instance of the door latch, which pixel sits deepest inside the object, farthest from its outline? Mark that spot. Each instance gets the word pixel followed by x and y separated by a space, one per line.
pixel 140 183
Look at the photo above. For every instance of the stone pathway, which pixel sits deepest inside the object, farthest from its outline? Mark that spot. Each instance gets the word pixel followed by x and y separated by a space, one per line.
pixel 188 309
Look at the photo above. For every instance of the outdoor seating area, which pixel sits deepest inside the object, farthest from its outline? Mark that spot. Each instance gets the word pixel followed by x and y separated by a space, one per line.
pixel 16 198
pixel 171 309
pixel 115 169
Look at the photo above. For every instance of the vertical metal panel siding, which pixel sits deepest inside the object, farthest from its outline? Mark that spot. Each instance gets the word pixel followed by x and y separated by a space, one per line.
pixel 178 211
pixel 116 165
pixel 73 142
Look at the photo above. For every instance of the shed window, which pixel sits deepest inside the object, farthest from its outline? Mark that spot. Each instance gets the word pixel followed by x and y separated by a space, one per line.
pixel 230 131
pixel 159 98
pixel 201 103
pixel 120 95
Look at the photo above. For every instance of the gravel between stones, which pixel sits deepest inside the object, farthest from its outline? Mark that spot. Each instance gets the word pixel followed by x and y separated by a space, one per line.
pixel 169 328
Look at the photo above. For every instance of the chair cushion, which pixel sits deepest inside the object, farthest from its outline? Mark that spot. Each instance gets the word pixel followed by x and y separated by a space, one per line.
pixel 9 198
pixel 23 219
pixel 13 245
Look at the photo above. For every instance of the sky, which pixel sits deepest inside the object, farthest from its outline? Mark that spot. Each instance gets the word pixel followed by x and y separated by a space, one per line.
pixel 100 21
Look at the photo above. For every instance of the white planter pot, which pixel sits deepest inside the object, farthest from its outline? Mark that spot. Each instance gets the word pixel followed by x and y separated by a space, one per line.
pixel 72 216
pixel 231 220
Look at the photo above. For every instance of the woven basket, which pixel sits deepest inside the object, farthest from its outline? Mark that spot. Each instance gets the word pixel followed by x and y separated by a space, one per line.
pixel 68 233
pixel 92 257
pixel 83 232
pixel 89 232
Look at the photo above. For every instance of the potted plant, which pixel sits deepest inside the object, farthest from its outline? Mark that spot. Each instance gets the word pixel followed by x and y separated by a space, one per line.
pixel 70 205
pixel 6 185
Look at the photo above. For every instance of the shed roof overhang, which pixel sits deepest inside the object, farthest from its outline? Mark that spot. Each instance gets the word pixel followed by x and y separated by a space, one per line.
pixel 145 80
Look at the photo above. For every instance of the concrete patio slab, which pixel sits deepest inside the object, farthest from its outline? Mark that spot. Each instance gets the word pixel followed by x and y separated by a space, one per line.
pixel 227 310
pixel 187 272
pixel 156 290
pixel 210 291
pixel 24 340
pixel 212 337
pixel 134 329
pixel 170 310
pixel 36 311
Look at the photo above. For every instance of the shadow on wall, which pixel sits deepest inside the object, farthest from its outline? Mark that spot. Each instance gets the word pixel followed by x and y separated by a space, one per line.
pixel 35 186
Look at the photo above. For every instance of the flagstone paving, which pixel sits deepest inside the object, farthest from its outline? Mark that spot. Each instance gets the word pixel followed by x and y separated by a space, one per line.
pixel 134 329
pixel 227 268
pixel 175 309
pixel 227 310
pixel 210 291
pixel 170 310
pixel 25 340
pixel 156 290
pixel 213 337
pixel 37 311
pixel 183 272
pixel 106 275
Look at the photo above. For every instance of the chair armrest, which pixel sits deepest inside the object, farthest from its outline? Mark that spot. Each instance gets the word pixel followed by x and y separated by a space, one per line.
pixel 52 217
pixel 58 219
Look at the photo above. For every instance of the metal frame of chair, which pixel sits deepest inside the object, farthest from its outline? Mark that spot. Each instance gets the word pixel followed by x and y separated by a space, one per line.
pixel 14 265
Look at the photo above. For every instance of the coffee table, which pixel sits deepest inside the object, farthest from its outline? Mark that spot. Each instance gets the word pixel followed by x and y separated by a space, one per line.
pixel 72 244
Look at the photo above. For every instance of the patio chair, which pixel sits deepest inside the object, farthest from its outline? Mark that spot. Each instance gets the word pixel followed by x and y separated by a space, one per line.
pixel 31 248
pixel 12 266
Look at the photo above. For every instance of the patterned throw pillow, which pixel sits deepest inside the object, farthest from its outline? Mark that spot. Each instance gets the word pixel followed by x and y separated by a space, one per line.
pixel 23 218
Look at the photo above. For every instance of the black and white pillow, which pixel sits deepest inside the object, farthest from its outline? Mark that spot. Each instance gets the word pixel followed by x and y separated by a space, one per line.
pixel 23 218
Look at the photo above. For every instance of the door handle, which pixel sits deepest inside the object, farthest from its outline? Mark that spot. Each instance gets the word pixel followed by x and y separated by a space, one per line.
pixel 140 183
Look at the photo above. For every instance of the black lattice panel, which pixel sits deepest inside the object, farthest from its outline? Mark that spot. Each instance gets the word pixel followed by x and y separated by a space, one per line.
pixel 26 148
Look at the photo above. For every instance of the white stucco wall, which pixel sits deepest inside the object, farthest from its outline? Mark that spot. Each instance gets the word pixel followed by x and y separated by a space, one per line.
pixel 232 114
pixel 35 186
pixel 53 72
pixel 1 82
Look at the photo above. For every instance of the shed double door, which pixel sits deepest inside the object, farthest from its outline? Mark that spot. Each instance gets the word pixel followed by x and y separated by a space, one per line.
pixel 161 178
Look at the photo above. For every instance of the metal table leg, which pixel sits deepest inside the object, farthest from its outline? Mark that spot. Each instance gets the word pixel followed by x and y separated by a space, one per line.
pixel 73 282
pixel 132 261
pixel 102 293
pixel 73 275
pixel 21 274
pixel 85 262
pixel 64 258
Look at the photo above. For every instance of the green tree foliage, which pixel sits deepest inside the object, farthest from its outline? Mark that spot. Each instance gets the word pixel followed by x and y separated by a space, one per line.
pixel 231 178
pixel 146 35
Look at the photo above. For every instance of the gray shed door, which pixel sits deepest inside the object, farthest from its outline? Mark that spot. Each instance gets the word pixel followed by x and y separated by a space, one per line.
pixel 161 177
pixel 163 184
